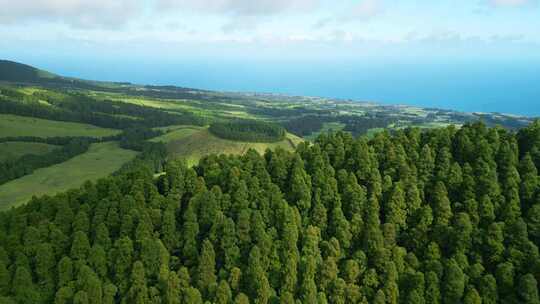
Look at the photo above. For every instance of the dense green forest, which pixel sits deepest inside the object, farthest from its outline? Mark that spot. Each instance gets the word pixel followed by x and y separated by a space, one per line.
pixel 442 216
pixel 362 125
pixel 306 125
pixel 248 130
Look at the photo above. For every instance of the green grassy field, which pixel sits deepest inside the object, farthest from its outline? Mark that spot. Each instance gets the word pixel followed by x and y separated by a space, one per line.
pixel 157 103
pixel 101 160
pixel 197 107
pixel 373 131
pixel 13 125
pixel 192 143
pixel 14 150
pixel 176 133
pixel 327 127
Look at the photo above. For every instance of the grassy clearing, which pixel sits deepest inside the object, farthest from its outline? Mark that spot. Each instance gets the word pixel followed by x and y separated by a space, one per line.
pixel 327 127
pixel 196 107
pixel 192 144
pixel 434 125
pixel 32 90
pixel 101 160
pixel 13 125
pixel 415 111
pixel 14 150
pixel 372 132
pixel 146 101
pixel 174 134
pixel 238 115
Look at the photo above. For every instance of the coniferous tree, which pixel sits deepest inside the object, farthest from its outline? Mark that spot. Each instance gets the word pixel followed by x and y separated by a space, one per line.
pixel 454 283
pixel 23 288
pixel 190 232
pixel 431 216
pixel 206 278
pixel 528 289
pixel 258 282
pixel 138 290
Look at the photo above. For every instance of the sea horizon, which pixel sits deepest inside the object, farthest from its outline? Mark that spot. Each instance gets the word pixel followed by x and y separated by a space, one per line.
pixel 487 86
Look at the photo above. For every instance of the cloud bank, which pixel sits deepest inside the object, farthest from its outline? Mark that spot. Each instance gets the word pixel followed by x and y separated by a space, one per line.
pixel 78 13
pixel 512 3
pixel 241 7
pixel 116 13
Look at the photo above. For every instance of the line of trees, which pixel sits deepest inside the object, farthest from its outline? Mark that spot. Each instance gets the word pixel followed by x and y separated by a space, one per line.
pixel 360 125
pixel 357 125
pixel 248 130
pixel 75 107
pixel 57 140
pixel 14 168
pixel 132 139
pixel 443 216
pixel 306 125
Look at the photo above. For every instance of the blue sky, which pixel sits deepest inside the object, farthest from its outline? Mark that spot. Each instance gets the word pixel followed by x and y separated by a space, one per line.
pixel 470 55
pixel 310 30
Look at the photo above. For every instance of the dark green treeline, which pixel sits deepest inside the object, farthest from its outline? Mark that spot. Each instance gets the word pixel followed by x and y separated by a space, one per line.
pixel 248 130
pixel 446 216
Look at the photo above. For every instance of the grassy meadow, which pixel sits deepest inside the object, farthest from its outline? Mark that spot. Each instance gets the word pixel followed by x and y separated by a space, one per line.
pixel 101 160
pixel 14 150
pixel 177 133
pixel 13 125
pixel 192 143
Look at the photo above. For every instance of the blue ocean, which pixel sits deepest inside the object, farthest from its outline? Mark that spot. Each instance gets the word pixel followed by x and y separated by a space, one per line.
pixel 509 87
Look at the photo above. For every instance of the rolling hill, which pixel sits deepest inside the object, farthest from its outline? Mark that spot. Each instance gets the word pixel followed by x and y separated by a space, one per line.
pixel 40 109
pixel 193 143
pixel 14 125
pixel 444 212
pixel 18 72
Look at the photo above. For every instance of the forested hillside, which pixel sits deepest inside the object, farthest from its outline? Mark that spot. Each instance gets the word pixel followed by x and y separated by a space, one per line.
pixel 442 216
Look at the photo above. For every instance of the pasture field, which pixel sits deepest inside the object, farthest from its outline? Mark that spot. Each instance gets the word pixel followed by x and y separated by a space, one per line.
pixel 14 150
pixel 197 107
pixel 176 133
pixel 192 143
pixel 101 160
pixel 13 125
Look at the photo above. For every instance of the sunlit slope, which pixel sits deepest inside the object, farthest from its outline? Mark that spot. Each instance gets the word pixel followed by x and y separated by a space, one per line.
pixel 101 160
pixel 13 125
pixel 192 143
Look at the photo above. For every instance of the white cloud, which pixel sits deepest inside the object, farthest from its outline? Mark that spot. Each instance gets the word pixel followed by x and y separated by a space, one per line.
pixel 241 7
pixel 78 13
pixel 511 3
pixel 367 9
pixel 92 14
pixel 362 11
pixel 238 15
